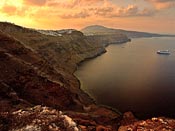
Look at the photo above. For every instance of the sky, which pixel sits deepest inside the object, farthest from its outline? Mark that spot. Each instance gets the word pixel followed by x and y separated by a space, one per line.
pixel 142 15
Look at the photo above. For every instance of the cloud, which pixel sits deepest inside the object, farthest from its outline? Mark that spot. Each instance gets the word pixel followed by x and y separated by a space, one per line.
pixel 91 1
pixel 161 0
pixel 109 11
pixel 133 10
pixel 9 9
pixel 72 3
pixel 35 2
pixel 162 4
pixel 76 9
pixel 62 4
pixel 13 10
pixel 81 14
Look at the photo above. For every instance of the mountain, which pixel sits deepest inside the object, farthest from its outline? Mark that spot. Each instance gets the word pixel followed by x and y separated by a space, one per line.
pixel 101 30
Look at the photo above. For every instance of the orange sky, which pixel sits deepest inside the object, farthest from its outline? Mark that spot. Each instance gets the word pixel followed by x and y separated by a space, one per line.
pixel 141 15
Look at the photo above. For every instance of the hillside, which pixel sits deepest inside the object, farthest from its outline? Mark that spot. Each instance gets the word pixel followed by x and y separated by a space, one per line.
pixel 22 80
pixel 101 30
pixel 37 69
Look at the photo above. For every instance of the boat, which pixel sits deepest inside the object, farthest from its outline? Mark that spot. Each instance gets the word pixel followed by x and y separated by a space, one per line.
pixel 164 52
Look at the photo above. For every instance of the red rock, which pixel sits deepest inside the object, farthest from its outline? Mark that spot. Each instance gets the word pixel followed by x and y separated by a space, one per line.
pixel 154 124
pixel 103 128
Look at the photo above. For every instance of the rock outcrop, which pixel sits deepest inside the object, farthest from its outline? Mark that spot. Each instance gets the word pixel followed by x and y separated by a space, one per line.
pixel 37 119
pixel 130 123
pixel 41 118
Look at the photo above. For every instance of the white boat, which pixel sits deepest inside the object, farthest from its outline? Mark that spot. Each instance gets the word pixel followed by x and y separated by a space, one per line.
pixel 164 52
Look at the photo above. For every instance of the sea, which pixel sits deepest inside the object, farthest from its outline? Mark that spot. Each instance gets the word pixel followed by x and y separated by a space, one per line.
pixel 133 77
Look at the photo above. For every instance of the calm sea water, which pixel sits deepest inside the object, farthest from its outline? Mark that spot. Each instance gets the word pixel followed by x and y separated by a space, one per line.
pixel 132 77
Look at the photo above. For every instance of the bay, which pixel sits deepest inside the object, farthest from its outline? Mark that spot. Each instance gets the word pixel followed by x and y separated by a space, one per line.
pixel 133 77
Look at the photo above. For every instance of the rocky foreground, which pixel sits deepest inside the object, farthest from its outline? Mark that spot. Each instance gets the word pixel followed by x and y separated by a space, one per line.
pixel 40 118
pixel 46 119
pixel 36 119
pixel 38 90
pixel 130 123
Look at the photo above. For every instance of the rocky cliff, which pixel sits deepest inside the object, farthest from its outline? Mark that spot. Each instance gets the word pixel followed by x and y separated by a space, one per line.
pixel 107 39
pixel 22 78
pixel 37 69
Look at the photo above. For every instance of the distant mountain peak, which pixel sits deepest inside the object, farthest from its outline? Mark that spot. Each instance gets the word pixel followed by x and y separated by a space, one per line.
pixel 97 30
pixel 95 27
pixel 102 30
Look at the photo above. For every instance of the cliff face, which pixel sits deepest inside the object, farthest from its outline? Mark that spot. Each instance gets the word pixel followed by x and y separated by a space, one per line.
pixel 60 53
pixel 62 50
pixel 67 48
pixel 105 40
pixel 21 82
pixel 37 69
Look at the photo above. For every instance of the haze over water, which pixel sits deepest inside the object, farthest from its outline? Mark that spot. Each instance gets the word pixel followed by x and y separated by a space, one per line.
pixel 132 77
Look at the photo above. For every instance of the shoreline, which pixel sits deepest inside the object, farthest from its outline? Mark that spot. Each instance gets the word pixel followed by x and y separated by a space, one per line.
pixel 79 82
pixel 139 117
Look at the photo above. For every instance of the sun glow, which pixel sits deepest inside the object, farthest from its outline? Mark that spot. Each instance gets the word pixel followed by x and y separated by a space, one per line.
pixel 144 15
pixel 16 3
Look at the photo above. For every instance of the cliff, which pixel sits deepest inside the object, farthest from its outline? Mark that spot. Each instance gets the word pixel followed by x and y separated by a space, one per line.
pixel 37 69
pixel 107 39
pixel 21 82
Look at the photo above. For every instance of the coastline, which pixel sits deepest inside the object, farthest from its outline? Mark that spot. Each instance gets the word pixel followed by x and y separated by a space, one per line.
pixel 79 82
